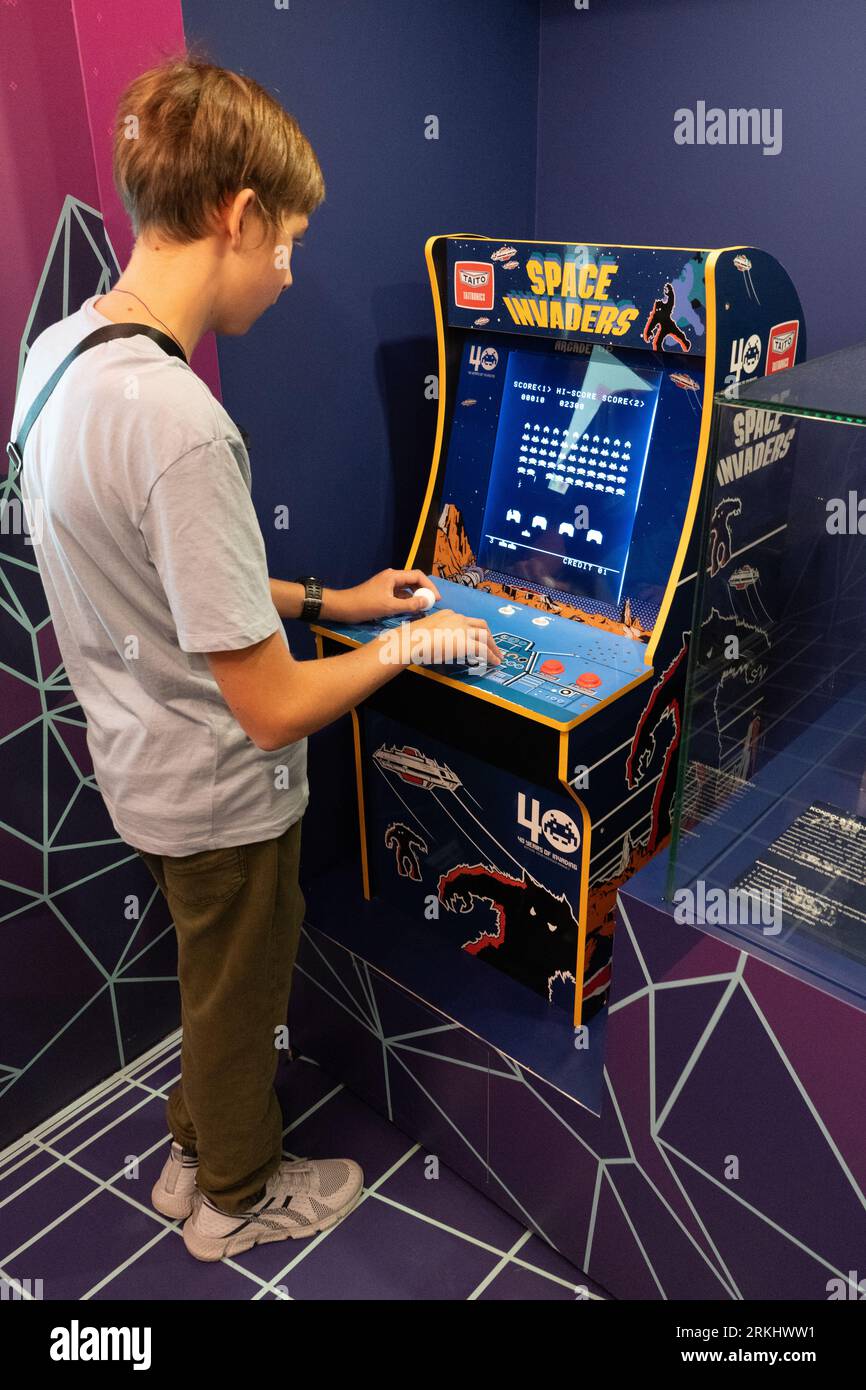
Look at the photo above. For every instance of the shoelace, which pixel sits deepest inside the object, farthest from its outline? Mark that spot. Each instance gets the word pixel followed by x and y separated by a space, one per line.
pixel 298 1176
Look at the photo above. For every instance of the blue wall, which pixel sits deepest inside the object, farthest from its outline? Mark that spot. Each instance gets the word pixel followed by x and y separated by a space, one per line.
pixel 612 77
pixel 330 383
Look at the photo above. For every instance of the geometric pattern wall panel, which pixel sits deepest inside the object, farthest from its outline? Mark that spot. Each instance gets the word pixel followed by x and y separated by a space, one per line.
pixel 83 988
pixel 80 262
pixel 710 1055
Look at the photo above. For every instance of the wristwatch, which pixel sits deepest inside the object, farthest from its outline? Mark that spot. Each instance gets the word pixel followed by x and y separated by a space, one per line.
pixel 312 598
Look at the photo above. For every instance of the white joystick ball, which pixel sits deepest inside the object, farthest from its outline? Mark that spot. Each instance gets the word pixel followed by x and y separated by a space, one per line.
pixel 427 595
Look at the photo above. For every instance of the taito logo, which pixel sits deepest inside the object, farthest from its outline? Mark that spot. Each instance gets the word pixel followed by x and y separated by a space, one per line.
pixel 473 284
pixel 782 349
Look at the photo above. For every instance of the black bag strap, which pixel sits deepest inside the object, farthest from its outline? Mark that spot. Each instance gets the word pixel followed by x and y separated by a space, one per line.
pixel 15 450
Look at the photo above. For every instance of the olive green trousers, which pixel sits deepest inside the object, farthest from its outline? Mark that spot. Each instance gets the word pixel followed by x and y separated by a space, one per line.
pixel 237 914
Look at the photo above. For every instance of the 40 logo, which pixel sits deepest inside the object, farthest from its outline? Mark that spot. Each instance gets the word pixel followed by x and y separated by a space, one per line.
pixel 485 358
pixel 557 827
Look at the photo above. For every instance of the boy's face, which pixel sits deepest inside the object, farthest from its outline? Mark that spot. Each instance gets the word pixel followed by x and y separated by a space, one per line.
pixel 257 268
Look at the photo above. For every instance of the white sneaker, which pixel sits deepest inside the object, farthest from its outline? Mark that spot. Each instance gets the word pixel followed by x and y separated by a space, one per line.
pixel 300 1199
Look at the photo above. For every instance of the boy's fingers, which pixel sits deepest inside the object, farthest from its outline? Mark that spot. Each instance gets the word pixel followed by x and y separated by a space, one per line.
pixel 484 627
pixel 403 578
pixel 417 579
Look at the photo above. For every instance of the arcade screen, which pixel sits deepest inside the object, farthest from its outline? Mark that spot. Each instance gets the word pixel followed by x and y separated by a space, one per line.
pixel 567 471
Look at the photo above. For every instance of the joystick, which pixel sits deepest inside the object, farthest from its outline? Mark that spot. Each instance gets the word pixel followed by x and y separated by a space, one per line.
pixel 427 595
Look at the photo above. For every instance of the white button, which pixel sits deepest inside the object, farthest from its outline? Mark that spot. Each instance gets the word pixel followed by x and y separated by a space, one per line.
pixel 541 622
pixel 507 610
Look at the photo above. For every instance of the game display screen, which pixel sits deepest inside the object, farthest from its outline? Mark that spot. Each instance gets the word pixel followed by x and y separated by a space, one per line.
pixel 567 470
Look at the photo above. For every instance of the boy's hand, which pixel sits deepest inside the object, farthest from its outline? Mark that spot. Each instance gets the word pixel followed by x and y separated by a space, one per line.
pixel 386 593
pixel 447 637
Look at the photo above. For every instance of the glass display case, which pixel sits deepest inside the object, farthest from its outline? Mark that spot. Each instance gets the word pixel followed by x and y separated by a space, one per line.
pixel 769 831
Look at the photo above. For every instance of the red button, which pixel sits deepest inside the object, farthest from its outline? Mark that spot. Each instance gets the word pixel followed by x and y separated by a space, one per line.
pixel 552 668
pixel 589 680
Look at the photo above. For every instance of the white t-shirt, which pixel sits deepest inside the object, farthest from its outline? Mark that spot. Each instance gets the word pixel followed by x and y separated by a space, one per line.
pixel 137 485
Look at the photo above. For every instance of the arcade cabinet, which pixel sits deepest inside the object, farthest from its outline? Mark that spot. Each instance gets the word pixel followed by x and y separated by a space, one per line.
pixel 505 809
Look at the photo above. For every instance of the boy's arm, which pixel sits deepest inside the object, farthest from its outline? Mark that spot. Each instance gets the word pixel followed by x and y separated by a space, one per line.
pixel 289 600
pixel 278 700
pixel 381 596
pixel 201 534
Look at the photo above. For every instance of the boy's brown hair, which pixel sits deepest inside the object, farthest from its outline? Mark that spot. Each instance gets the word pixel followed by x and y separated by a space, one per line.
pixel 189 135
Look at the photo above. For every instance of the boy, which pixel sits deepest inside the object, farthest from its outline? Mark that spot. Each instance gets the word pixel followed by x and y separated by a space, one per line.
pixel 170 628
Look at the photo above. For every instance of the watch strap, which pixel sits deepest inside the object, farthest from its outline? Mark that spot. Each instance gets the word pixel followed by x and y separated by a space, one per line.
pixel 312 598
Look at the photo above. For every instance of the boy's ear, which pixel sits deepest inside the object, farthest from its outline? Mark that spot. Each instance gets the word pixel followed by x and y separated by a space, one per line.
pixel 220 215
pixel 232 212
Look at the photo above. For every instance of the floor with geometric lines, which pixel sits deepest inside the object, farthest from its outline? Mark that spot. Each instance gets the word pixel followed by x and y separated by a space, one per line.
pixel 75 1211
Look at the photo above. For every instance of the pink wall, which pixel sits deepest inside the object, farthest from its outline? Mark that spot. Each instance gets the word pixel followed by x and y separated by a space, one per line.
pixel 45 153
pixel 115 42
pixel 64 68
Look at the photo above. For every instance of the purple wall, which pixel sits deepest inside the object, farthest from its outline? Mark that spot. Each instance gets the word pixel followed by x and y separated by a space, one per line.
pixel 611 78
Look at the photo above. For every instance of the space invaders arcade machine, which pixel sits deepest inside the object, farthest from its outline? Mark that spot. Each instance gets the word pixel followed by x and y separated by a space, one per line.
pixel 504 810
